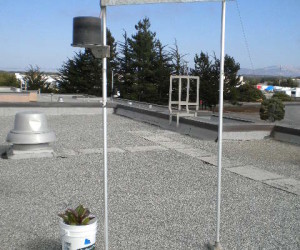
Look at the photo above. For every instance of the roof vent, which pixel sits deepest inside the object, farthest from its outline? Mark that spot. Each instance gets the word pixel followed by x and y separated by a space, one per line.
pixel 30 136
pixel 60 99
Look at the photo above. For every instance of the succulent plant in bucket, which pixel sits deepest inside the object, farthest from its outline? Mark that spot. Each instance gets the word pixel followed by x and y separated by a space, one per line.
pixel 78 229
pixel 78 216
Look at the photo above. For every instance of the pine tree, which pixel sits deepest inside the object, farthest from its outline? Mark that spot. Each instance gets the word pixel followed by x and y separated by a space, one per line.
pixel 126 70
pixel 145 66
pixel 112 61
pixel 143 56
pixel 163 71
pixel 272 110
pixel 177 60
pixel 231 80
pixel 83 73
pixel 209 72
pixel 206 70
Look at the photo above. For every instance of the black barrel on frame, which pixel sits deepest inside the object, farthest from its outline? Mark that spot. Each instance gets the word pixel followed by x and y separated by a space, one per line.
pixel 86 31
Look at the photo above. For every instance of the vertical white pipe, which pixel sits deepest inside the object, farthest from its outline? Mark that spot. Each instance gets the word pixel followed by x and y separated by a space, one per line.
pixel 112 84
pixel 198 87
pixel 179 95
pixel 104 100
pixel 170 95
pixel 187 95
pixel 220 132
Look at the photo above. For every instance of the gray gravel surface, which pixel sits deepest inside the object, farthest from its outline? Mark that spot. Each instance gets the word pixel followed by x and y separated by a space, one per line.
pixel 157 199
pixel 77 132
pixel 271 155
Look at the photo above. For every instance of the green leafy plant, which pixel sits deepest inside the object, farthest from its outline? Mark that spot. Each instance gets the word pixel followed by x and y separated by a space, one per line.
pixel 79 216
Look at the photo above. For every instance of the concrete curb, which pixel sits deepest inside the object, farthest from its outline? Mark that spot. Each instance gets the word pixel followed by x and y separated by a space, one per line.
pixel 11 111
pixel 54 108
pixel 54 104
pixel 205 130
pixel 286 134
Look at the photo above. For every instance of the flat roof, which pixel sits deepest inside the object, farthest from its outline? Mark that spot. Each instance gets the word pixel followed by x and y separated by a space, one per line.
pixel 162 188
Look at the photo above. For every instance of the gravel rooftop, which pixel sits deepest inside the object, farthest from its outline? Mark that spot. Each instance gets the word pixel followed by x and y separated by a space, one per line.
pixel 159 198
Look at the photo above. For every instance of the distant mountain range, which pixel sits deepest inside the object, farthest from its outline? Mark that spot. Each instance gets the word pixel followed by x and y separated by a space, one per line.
pixel 285 71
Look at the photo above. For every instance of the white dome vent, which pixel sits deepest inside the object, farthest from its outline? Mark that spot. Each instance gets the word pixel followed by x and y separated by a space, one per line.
pixel 30 136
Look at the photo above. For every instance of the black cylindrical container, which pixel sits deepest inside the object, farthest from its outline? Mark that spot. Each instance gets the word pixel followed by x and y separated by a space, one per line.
pixel 86 31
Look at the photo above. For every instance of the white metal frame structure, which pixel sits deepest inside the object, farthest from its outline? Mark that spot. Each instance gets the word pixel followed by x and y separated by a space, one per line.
pixel 185 103
pixel 104 102
pixel 103 4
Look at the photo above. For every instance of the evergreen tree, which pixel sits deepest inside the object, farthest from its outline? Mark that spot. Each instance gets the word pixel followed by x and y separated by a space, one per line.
pixel 163 71
pixel 209 72
pixel 272 110
pixel 282 96
pixel 145 66
pixel 143 56
pixel 249 93
pixel 112 61
pixel 83 73
pixel 126 70
pixel 206 70
pixel 231 80
pixel 177 60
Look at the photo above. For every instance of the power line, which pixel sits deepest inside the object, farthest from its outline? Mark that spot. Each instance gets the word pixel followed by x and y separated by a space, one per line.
pixel 245 38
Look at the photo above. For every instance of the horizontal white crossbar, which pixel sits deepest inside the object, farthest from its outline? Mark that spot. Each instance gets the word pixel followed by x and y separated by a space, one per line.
pixel 184 77
pixel 127 2
pixel 184 103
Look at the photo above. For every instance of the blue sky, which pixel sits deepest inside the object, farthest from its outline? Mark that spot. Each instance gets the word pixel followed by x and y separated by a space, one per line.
pixel 40 32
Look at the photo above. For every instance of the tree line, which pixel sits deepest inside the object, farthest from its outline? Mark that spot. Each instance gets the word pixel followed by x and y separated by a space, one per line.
pixel 272 80
pixel 142 66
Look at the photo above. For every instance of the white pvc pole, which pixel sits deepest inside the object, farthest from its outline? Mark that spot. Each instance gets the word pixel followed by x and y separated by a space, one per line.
pixel 112 85
pixel 220 132
pixel 104 99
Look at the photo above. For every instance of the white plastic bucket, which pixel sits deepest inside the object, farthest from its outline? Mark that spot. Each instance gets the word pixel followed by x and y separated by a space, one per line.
pixel 78 237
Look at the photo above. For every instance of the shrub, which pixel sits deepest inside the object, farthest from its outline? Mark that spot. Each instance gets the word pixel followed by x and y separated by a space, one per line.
pixel 272 110
pixel 249 93
pixel 8 80
pixel 79 216
pixel 282 96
